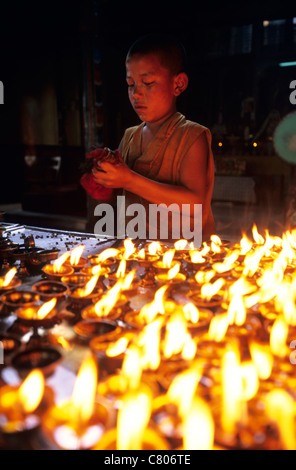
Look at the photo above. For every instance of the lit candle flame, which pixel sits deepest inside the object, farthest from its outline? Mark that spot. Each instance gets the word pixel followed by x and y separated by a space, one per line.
pixel 209 290
pixel 231 392
pixel 182 390
pixel 278 337
pixel 132 367
pixel 198 427
pixel 153 248
pixel 180 244
pixel 142 254
pixel 129 248
pixel 60 261
pixel 191 312
pixel 172 272
pixel 196 256
pixel 83 395
pixel 256 235
pixel 31 391
pixel 280 408
pixel 245 244
pixel 46 308
pixel 133 418
pixel 107 253
pixel 89 286
pixel 118 347
pixel 149 311
pixel 262 359
pixel 104 306
pixel 168 258
pixel 8 277
pixel 128 280
pixel 176 335
pixel 149 343
pixel 236 310
pixel 76 255
pixel 218 327
pixel 121 269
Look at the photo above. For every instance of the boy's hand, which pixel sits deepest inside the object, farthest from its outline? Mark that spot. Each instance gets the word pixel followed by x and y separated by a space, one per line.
pixel 112 176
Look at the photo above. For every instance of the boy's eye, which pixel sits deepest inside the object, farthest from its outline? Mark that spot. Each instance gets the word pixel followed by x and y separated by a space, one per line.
pixel 148 83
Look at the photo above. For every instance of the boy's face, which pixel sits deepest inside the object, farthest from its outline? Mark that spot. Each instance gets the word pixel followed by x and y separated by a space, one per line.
pixel 151 87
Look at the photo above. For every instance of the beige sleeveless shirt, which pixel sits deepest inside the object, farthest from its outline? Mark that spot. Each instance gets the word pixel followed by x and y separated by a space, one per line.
pixel 162 159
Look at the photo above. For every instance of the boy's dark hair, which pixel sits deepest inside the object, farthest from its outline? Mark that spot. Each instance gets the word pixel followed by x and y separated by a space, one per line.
pixel 171 52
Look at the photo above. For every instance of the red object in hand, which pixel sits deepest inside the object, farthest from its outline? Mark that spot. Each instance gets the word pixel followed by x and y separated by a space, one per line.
pixel 95 190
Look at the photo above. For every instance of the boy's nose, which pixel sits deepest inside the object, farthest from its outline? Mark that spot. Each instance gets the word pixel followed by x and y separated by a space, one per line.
pixel 137 91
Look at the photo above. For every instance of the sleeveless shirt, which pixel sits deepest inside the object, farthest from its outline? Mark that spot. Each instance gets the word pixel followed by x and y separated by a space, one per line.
pixel 162 160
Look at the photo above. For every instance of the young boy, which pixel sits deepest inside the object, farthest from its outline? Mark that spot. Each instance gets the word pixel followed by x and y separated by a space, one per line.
pixel 167 159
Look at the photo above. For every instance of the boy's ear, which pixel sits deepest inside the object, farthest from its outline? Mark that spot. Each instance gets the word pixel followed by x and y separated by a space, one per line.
pixel 181 83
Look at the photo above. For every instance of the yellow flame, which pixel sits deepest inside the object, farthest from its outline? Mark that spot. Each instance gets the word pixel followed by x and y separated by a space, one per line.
pixel 231 392
pixel 117 348
pixel 180 244
pixel 121 269
pixel 106 254
pixel 31 391
pixel 249 380
pixel 191 312
pixel 76 255
pixel 129 248
pixel 278 337
pixel 205 249
pixel 217 240
pixel 132 366
pixel 104 306
pixel 280 408
pixel 256 235
pixel 149 343
pixel 133 418
pixel 172 272
pixel 153 248
pixel 142 254
pixel 236 310
pixel 127 281
pixel 97 269
pixel 209 290
pixel 218 327
pixel 204 277
pixel 262 359
pixel 198 427
pixel 176 335
pixel 9 276
pixel 46 308
pixel 89 286
pixel 252 261
pixel 245 244
pixel 57 264
pixel 84 392
pixel 196 256
pixel 182 390
pixel 149 311
pixel 168 258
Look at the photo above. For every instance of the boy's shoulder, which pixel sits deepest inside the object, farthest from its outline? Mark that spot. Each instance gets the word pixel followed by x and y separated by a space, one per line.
pixel 195 126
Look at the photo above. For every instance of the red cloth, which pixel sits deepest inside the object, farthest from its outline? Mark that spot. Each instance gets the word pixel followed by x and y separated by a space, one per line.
pixel 95 190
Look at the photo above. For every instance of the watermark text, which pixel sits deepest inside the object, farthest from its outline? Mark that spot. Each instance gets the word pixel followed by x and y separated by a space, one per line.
pixel 293 94
pixel 1 353
pixel 1 93
pixel 154 221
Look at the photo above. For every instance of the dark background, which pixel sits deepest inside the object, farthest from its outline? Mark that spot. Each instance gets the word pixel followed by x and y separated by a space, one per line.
pixel 62 66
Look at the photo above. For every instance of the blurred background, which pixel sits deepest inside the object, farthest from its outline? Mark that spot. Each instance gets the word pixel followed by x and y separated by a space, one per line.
pixel 63 75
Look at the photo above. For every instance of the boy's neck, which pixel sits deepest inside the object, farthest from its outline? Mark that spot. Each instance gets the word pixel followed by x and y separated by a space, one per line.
pixel 153 127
